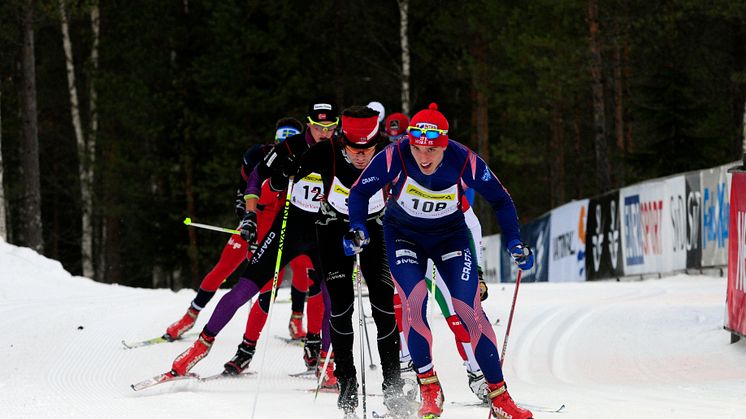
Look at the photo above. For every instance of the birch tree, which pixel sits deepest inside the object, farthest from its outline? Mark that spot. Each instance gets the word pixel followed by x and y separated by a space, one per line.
pixel 404 39
pixel 86 143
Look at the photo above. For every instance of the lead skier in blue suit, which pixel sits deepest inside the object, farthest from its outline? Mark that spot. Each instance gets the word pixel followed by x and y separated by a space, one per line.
pixel 427 175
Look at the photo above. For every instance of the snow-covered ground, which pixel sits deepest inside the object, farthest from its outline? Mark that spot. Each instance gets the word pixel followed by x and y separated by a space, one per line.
pixel 650 349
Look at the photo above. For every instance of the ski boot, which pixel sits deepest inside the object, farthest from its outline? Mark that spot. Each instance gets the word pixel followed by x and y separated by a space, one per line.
pixel 311 349
pixel 478 385
pixel 295 327
pixel 189 358
pixel 503 406
pixel 431 394
pixel 329 380
pixel 347 399
pixel 185 323
pixel 241 359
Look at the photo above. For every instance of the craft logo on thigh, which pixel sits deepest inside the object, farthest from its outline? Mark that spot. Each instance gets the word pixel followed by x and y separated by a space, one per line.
pixel 466 270
pixel 265 244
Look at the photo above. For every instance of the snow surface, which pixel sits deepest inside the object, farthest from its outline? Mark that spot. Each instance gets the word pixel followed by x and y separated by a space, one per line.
pixel 649 349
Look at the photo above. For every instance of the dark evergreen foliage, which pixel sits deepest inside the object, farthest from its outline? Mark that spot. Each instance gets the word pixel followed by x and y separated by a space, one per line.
pixel 184 88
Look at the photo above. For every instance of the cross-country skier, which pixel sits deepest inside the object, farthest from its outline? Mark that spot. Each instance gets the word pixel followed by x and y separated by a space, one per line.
pixel 237 250
pixel 340 162
pixel 475 378
pixel 299 238
pixel 396 126
pixel 428 174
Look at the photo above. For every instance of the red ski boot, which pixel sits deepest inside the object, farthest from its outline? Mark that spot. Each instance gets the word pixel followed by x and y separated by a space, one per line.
pixel 189 358
pixel 503 406
pixel 185 323
pixel 328 380
pixel 431 394
pixel 296 326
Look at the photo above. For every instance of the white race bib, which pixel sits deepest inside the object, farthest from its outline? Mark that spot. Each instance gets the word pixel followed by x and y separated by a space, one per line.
pixel 307 193
pixel 338 198
pixel 421 202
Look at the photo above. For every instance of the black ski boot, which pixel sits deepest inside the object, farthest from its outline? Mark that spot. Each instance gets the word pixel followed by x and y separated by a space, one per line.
pixel 241 359
pixel 347 400
pixel 311 350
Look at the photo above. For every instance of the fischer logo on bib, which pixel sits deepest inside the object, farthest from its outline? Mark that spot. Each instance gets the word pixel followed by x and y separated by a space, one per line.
pixel 338 199
pixel 421 202
pixel 308 192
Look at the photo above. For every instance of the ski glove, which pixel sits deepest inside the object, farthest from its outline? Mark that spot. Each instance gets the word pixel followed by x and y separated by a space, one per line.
pixel 248 227
pixel 240 207
pixel 521 254
pixel 354 240
pixel 483 294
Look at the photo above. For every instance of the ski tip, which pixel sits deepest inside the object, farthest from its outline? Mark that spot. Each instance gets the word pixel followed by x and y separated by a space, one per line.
pixel 560 408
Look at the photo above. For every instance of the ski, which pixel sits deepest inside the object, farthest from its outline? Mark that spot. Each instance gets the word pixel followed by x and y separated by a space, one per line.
pixel 224 375
pixel 310 373
pixel 525 406
pixel 154 341
pixel 160 379
pixel 289 341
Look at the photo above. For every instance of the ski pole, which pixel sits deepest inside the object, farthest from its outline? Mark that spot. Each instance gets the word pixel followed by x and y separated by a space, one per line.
pixel 323 371
pixel 361 321
pixel 274 288
pixel 510 318
pixel 188 221
pixel 367 340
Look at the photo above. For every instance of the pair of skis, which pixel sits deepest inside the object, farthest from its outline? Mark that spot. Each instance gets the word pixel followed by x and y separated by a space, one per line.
pixel 168 377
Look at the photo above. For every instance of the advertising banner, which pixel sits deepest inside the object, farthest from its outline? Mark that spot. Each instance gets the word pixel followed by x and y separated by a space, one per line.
pixel 736 294
pixel 693 221
pixel 647 229
pixel 603 243
pixel 715 215
pixel 674 244
pixel 492 249
pixel 567 249
pixel 537 235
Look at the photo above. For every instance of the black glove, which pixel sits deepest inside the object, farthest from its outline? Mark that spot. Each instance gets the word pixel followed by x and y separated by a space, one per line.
pixel 483 294
pixel 240 207
pixel 290 166
pixel 248 228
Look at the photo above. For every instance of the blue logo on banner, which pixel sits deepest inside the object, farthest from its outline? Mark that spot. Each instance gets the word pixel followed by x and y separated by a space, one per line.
pixel 633 231
pixel 716 217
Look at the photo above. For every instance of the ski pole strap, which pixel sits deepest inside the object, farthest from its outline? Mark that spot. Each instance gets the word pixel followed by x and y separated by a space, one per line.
pixel 188 221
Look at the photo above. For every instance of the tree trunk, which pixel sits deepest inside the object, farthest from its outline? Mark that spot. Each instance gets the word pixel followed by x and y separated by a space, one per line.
pixel 3 231
pixel 743 144
pixel 93 136
pixel 189 193
pixel 599 118
pixel 405 71
pixel 619 125
pixel 579 166
pixel 30 230
pixel 557 158
pixel 85 160
pixel 480 121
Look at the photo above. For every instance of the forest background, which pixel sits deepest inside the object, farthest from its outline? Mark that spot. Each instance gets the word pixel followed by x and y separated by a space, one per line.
pixel 118 119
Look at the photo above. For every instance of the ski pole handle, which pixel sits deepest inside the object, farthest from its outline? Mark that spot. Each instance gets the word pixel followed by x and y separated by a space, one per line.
pixel 188 221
